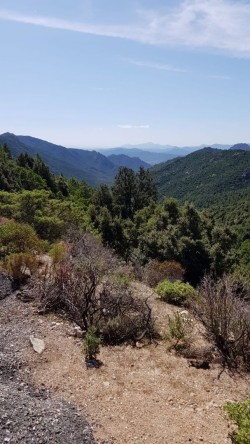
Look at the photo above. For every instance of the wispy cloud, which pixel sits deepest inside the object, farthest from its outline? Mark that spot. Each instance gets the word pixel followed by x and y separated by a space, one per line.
pixel 212 24
pixel 218 77
pixel 133 126
pixel 120 31
pixel 159 66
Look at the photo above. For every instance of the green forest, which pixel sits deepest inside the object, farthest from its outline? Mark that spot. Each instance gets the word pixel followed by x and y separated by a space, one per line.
pixel 40 208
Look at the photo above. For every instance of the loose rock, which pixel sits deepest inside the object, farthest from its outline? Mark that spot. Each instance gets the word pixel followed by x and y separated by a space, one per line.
pixel 37 344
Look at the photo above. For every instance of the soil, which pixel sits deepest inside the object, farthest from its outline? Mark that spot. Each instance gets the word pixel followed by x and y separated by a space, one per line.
pixel 29 413
pixel 143 394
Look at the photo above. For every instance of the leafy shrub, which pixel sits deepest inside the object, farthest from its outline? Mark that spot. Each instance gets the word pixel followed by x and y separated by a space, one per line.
pixel 177 293
pixel 91 344
pixel 180 330
pixel 49 227
pixel 18 238
pixel 156 271
pixel 240 413
pixel 226 316
pixel 241 275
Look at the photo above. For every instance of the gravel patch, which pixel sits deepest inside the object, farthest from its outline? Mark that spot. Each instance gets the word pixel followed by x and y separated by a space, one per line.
pixel 30 416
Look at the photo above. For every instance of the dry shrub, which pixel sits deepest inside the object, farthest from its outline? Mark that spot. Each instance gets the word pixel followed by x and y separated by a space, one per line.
pixel 226 317
pixel 20 266
pixel 83 286
pixel 124 317
pixel 156 271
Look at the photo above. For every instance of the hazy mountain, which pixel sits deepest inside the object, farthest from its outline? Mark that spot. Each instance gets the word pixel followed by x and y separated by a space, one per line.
pixel 147 156
pixel 169 148
pixel 205 177
pixel 153 153
pixel 130 162
pixel 91 166
pixel 241 146
pixel 220 146
pixel 150 146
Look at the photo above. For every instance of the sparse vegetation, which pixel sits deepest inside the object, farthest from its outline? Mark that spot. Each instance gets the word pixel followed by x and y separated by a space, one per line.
pixel 226 316
pixel 156 271
pixel 85 285
pixel 91 344
pixel 20 266
pixel 179 330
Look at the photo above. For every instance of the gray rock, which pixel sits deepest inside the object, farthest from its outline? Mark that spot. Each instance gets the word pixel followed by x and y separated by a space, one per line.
pixel 5 285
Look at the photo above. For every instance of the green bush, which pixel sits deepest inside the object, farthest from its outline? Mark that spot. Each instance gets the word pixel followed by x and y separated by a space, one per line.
pixel 239 412
pixel 177 293
pixel 18 238
pixel 91 344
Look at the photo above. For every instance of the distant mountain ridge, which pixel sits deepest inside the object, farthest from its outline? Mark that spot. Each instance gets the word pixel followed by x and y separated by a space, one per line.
pixel 153 153
pixel 241 146
pixel 91 166
pixel 100 166
pixel 149 157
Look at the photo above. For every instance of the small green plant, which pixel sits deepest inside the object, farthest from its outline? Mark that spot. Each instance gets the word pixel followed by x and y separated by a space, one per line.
pixel 239 412
pixel 120 278
pixel 180 330
pixel 177 293
pixel 91 344
pixel 57 252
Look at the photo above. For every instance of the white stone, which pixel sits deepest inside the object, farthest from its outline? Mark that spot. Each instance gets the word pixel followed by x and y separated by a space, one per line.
pixel 37 344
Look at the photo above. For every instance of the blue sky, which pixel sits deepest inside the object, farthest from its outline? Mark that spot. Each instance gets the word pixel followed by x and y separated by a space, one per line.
pixel 95 73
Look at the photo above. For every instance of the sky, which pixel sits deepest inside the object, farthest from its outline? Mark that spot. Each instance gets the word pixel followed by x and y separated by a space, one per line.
pixel 103 73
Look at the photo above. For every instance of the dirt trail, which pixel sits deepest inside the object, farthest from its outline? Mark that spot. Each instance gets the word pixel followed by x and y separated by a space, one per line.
pixel 139 395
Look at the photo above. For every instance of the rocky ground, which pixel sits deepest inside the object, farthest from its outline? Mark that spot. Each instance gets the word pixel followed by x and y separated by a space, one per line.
pixel 28 413
pixel 144 394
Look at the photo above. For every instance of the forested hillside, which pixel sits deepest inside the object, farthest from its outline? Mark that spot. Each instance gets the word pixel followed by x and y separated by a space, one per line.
pixel 126 217
pixel 206 177
pixel 90 166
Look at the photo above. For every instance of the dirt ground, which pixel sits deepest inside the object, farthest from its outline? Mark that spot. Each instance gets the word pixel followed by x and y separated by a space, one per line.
pixel 139 395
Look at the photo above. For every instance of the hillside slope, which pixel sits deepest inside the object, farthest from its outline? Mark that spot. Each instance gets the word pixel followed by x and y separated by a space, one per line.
pixel 135 163
pixel 160 385
pixel 206 177
pixel 90 166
